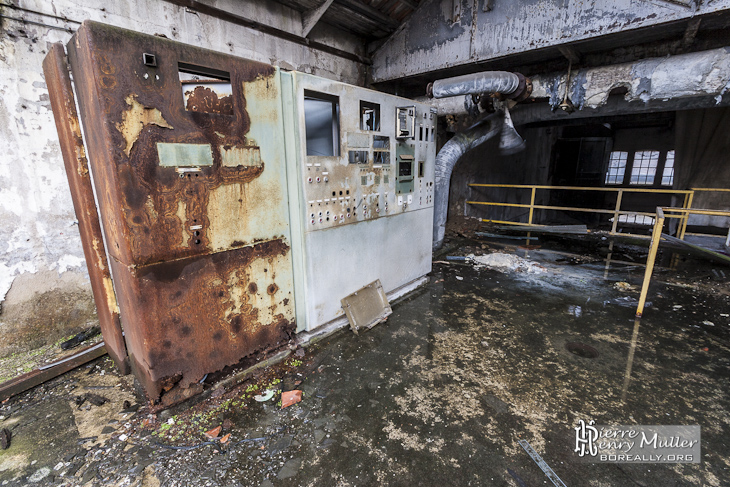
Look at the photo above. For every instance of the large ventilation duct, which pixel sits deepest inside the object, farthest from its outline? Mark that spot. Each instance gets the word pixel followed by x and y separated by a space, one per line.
pixel 491 126
pixel 511 85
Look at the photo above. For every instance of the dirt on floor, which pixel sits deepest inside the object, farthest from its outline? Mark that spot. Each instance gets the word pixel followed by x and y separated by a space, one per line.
pixel 511 340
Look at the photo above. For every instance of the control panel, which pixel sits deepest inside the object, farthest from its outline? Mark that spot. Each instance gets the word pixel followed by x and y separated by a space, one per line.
pixel 368 156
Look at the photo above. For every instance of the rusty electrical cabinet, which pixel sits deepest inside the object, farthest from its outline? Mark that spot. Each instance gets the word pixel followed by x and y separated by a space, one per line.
pixel 186 148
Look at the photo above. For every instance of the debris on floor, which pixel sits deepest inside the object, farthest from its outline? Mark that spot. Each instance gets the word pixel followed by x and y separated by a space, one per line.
pixel 290 398
pixel 504 262
pixel 5 436
pixel 624 286
pixel 80 338
pixel 442 387
pixel 265 396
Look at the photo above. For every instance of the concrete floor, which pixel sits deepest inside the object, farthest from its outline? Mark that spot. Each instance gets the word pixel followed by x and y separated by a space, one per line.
pixel 438 395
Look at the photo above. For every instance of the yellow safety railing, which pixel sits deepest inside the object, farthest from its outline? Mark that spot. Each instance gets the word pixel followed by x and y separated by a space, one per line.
pixel 616 211
pixel 656 236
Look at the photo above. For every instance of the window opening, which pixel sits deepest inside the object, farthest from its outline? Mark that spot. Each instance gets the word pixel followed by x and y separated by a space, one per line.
pixel 369 116
pixel 322 124
pixel 381 149
pixel 206 90
pixel 357 157
pixel 668 173
pixel 644 168
pixel 616 167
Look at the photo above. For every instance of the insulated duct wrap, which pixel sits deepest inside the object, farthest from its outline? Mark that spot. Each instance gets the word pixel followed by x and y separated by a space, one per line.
pixel 447 158
pixel 487 82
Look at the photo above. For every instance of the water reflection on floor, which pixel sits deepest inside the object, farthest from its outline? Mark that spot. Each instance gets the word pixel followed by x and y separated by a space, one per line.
pixel 441 393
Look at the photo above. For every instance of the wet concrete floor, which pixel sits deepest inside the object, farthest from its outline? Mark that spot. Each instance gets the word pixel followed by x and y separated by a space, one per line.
pixel 438 395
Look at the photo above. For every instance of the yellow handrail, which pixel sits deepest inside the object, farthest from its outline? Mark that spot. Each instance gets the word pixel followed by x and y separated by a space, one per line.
pixel 616 212
pixel 656 237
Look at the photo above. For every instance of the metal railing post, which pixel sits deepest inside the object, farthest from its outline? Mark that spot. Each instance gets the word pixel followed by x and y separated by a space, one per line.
pixel 616 211
pixel 683 229
pixel 656 236
pixel 532 205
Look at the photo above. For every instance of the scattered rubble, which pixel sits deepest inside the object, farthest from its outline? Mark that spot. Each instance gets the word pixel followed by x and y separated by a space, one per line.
pixel 504 262
pixel 290 398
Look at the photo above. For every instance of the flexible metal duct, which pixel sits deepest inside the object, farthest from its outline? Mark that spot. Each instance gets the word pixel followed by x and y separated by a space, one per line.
pixel 512 85
pixel 446 159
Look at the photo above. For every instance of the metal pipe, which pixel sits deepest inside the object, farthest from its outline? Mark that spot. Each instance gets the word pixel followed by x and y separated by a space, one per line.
pixel 512 85
pixel 446 159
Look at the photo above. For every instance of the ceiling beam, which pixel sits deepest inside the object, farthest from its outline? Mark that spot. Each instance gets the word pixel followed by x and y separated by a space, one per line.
pixel 311 17
pixel 367 11
pixel 408 3
pixel 570 53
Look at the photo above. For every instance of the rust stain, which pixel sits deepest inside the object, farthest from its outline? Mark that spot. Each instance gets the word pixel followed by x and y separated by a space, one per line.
pixel 241 156
pixel 82 167
pixel 191 282
pixel 201 314
pixel 203 99
pixel 135 118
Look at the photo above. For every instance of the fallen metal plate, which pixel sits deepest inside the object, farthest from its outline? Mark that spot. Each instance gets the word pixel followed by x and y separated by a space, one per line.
pixel 366 307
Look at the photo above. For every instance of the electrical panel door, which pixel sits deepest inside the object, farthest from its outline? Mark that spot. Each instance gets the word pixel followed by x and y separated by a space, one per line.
pixel 186 150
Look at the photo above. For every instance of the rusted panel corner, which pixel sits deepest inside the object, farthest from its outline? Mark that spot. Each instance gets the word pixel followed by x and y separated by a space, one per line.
pixel 197 315
pixel 74 158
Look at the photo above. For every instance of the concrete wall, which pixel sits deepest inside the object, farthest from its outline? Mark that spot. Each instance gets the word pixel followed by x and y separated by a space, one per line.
pixel 702 148
pixel 44 287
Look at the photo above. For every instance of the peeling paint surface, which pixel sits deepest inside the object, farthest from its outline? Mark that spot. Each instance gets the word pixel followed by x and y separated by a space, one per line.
pixel 199 248
pixel 431 40
pixel 35 203
pixel 701 74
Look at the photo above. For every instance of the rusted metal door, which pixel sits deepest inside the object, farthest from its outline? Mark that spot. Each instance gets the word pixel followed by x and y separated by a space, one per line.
pixel 186 148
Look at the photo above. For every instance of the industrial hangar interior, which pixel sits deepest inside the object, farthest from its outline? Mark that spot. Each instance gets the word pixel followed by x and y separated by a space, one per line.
pixel 365 242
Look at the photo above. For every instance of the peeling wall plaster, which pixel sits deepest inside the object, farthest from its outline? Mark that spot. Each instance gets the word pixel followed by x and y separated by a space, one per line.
pixel 41 237
pixel 430 40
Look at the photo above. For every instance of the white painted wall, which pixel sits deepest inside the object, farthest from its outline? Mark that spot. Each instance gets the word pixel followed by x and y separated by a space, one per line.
pixel 42 262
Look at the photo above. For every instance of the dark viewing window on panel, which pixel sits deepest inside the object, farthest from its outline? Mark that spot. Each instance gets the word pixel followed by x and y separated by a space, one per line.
pixel 322 124
pixel 405 168
pixel 369 116
pixel 357 157
pixel 381 157
pixel 206 90
pixel 381 149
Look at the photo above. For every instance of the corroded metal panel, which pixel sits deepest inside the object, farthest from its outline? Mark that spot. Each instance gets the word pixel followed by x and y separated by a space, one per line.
pixel 195 315
pixel 82 194
pixel 186 147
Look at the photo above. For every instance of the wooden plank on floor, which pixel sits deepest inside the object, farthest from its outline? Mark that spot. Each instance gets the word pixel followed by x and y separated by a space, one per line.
pixel 570 229
pixel 50 371
pixel 709 253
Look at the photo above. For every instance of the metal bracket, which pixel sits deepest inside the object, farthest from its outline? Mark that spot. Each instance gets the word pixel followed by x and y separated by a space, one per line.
pixel 366 307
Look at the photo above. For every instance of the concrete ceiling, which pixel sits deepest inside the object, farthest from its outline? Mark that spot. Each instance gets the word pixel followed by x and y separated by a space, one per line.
pixel 370 19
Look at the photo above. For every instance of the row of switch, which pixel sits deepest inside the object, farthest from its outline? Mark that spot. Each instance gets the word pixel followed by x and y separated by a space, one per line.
pixel 326 217
pixel 318 179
